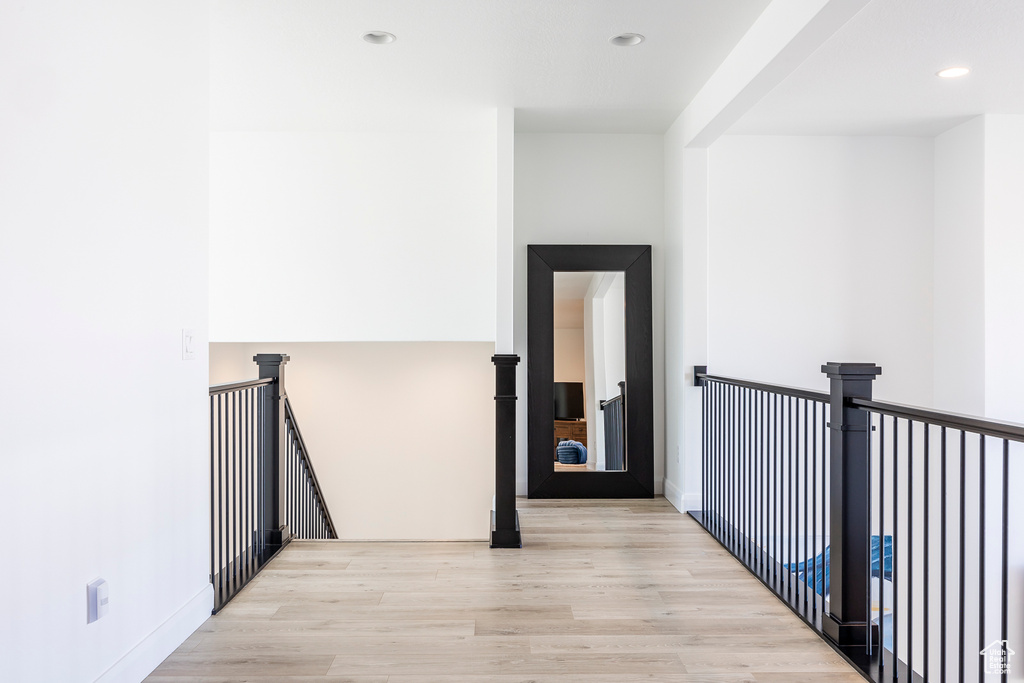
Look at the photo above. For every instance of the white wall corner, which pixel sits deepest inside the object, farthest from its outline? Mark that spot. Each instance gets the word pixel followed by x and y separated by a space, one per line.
pixel 673 495
pixel 142 659
pixel 504 227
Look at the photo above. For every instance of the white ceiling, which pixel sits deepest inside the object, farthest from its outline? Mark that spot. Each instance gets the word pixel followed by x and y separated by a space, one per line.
pixel 302 65
pixel 876 75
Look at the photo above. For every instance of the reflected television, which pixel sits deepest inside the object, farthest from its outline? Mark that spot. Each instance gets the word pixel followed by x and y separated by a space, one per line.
pixel 569 401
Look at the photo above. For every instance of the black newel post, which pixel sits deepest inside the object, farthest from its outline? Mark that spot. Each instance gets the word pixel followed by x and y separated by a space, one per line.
pixel 849 526
pixel 504 518
pixel 271 495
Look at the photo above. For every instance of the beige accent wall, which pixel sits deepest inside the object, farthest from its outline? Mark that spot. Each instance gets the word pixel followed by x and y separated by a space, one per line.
pixel 569 365
pixel 401 434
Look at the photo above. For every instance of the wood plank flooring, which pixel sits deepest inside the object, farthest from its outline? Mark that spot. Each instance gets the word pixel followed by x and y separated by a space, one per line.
pixel 603 592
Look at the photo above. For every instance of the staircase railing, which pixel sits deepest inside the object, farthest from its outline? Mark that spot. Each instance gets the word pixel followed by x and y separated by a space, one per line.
pixel 885 527
pixel 263 490
pixel 305 512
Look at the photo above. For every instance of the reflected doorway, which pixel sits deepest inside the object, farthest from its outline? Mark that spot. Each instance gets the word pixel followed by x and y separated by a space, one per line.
pixel 589 346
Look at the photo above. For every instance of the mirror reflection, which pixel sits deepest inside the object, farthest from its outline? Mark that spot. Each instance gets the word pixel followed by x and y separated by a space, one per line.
pixel 589 371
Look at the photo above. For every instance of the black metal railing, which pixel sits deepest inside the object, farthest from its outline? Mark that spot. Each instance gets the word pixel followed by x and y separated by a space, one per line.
pixel 940 490
pixel 305 513
pixel 237 477
pixel 764 490
pixel 263 490
pixel 885 527
pixel 614 410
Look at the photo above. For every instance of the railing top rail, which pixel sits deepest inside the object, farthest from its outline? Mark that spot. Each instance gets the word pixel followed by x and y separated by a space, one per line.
pixel 237 386
pixel 821 396
pixel 612 400
pixel 309 465
pixel 966 423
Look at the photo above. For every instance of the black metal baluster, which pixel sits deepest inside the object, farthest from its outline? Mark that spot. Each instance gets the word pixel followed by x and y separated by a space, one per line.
pixel 927 555
pixel 776 519
pixel 814 516
pixel 730 488
pixel 213 500
pixel 1003 622
pixel 746 475
pixel 963 532
pixel 981 555
pixel 713 526
pixel 303 495
pixel 942 553
pixel 803 584
pixel 870 635
pixel 717 452
pixel 289 503
pixel 230 514
pixel 734 455
pixel 766 496
pixel 749 501
pixel 723 465
pixel 239 486
pixel 825 472
pixel 262 523
pixel 719 475
pixel 881 553
pixel 895 543
pixel 790 462
pixel 307 507
pixel 758 474
pixel 244 396
pixel 705 474
pixel 910 549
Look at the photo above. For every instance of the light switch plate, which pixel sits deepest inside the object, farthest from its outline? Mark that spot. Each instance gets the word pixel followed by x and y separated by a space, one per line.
pixel 188 344
pixel 99 599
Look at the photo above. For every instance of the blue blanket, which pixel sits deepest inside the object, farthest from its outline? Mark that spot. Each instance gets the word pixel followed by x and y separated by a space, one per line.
pixel 571 452
pixel 819 577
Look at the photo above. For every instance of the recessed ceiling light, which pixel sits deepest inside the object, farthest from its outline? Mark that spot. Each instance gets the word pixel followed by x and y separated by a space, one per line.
pixel 954 72
pixel 379 37
pixel 626 39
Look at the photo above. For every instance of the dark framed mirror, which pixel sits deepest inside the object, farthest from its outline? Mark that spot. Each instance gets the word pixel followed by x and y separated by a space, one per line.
pixel 635 479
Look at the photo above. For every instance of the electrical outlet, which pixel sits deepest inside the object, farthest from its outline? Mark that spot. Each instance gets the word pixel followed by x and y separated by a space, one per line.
pixel 99 600
pixel 188 344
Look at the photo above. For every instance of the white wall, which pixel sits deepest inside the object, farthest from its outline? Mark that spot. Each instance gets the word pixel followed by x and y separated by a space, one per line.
pixel 686 313
pixel 588 189
pixel 103 208
pixel 401 434
pixel 1004 274
pixel 614 330
pixel 354 235
pixel 820 249
pixel 784 253
pixel 372 236
pixel 979 286
pixel 959 269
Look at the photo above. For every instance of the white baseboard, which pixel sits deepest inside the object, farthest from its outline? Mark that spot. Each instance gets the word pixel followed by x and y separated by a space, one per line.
pixel 680 501
pixel 140 661
pixel 673 495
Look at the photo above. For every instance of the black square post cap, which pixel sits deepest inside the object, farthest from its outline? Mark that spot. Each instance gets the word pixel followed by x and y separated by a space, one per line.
pixel 851 370
pixel 270 359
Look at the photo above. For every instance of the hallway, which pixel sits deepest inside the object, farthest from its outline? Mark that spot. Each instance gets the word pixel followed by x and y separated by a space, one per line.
pixel 604 591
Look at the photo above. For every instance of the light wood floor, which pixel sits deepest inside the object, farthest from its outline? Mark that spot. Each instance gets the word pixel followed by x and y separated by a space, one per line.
pixel 603 592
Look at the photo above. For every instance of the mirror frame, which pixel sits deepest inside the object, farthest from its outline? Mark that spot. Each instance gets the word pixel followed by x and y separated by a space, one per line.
pixel 637 481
